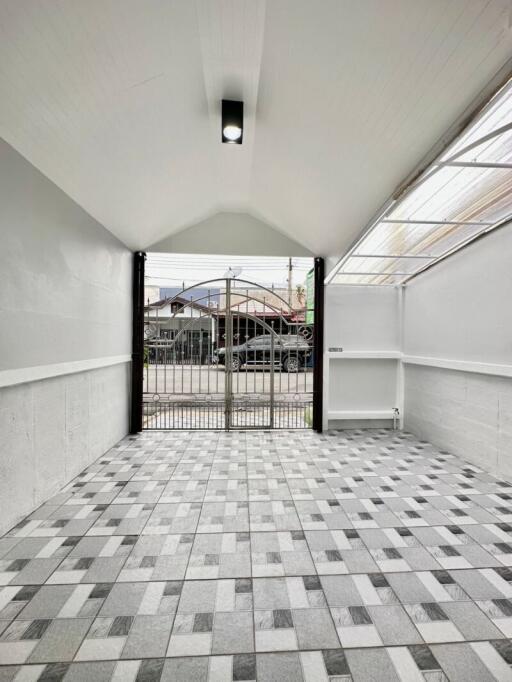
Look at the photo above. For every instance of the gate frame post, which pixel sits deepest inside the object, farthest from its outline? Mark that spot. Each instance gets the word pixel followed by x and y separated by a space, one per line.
pixel 318 345
pixel 137 378
pixel 228 368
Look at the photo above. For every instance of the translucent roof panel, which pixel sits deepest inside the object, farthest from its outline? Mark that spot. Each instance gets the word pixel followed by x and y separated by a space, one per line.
pixel 377 265
pixel 429 241
pixel 466 191
pixel 497 149
pixel 391 280
pixel 459 194
pixel 496 115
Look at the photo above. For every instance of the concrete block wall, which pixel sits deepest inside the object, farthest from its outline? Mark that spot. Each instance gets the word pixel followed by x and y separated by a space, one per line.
pixel 465 413
pixel 52 430
pixel 458 315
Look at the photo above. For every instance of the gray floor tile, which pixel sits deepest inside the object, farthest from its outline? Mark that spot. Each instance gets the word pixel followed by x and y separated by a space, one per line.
pixel 315 629
pixel 408 587
pixel 181 522
pixel 270 593
pixel 283 667
pixel 48 601
pixel 461 664
pixel 36 572
pixel 394 625
pixel 340 590
pixel 233 633
pixel 148 637
pixel 198 596
pixel 471 621
pixel 8 672
pixel 371 665
pixel 124 599
pixel 61 640
pixel 185 669
pixel 99 671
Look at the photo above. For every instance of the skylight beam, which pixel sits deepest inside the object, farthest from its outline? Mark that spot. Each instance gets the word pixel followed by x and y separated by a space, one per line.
pixel 378 255
pixel 480 141
pixel 474 164
pixel 437 222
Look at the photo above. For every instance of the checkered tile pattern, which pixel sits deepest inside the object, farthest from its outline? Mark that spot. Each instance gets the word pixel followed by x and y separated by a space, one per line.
pixel 288 556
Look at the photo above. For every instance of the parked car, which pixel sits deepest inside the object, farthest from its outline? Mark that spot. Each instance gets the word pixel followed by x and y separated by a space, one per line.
pixel 291 352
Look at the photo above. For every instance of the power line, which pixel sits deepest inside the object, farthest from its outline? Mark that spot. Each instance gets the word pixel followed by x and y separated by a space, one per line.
pixel 248 261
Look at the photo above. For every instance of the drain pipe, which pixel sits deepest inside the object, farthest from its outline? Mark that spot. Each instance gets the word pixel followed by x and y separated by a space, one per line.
pixel 396 417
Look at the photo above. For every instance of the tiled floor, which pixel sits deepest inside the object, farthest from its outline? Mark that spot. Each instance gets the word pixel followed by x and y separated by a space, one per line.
pixel 285 556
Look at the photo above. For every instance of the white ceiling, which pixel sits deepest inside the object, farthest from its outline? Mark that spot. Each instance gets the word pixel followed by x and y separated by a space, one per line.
pixel 118 102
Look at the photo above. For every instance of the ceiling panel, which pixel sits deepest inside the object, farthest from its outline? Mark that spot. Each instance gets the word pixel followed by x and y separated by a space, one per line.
pixel 117 102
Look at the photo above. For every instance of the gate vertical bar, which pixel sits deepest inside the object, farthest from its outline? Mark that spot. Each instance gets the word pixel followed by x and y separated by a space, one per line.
pixel 318 346
pixel 139 259
pixel 228 381
pixel 272 370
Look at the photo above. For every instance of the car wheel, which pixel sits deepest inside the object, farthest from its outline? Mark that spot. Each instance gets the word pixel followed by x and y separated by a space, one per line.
pixel 291 364
pixel 235 363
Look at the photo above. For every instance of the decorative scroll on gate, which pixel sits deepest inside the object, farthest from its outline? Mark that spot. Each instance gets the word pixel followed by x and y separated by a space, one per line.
pixel 227 354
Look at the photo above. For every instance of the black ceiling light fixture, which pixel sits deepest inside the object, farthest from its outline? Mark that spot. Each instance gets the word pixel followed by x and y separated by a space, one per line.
pixel 232 121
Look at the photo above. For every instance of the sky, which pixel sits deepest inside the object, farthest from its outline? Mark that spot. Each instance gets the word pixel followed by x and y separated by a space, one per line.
pixel 172 270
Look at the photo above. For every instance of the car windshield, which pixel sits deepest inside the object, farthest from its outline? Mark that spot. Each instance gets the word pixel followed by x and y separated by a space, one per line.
pixel 285 339
pixel 259 340
pixel 292 339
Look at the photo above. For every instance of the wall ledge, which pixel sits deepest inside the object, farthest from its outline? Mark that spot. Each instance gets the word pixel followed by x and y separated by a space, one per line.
pixel 361 414
pixel 25 375
pixel 442 363
pixel 460 365
pixel 364 355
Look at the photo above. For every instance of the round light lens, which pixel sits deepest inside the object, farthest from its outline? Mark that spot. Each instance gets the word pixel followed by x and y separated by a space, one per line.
pixel 232 133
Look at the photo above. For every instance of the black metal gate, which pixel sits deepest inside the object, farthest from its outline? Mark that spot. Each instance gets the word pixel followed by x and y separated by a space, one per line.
pixel 237 357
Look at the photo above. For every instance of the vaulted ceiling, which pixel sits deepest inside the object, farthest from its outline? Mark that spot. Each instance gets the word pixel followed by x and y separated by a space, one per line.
pixel 118 103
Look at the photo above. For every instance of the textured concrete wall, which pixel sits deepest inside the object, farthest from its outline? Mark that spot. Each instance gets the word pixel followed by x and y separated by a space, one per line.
pixel 65 297
pixel 465 413
pixel 52 429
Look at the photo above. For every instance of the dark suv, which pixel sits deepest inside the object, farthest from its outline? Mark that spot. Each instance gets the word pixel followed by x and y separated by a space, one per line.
pixel 291 352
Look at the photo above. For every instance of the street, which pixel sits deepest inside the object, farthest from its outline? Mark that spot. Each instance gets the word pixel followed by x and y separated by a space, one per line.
pixel 181 380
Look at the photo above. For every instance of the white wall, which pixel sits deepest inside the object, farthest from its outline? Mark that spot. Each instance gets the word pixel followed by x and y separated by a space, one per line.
pixel 362 318
pixel 361 383
pixel 458 353
pixel 231 234
pixel 65 280
pixel 65 317
pixel 462 307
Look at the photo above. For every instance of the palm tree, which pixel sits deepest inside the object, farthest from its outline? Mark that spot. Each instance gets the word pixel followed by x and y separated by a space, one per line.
pixel 300 292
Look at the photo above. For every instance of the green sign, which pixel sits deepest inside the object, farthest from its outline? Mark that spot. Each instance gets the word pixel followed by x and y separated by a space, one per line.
pixel 310 297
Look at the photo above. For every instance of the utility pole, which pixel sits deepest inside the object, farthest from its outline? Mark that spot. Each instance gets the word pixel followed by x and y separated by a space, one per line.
pixel 290 269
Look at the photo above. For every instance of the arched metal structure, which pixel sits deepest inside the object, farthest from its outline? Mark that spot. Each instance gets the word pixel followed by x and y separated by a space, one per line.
pixel 238 357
